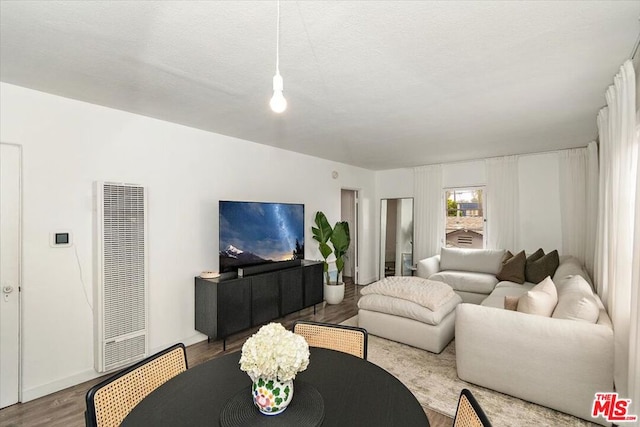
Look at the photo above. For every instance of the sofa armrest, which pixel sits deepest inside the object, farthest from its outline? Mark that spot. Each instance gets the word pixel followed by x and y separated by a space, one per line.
pixel 428 266
pixel 556 363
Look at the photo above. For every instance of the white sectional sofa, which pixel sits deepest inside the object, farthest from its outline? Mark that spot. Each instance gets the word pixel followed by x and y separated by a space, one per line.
pixel 559 362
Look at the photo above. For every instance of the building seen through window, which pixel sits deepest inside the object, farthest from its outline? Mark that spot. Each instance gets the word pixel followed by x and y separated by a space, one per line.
pixel 464 226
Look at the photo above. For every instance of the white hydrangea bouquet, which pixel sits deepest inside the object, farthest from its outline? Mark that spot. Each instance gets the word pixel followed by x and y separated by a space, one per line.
pixel 274 353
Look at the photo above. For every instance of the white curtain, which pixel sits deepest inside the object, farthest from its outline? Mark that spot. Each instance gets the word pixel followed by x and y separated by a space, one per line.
pixel 592 205
pixel 634 321
pixel 578 202
pixel 617 253
pixel 503 203
pixel 429 211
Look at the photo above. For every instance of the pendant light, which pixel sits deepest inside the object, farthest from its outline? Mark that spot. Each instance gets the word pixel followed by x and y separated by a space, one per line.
pixel 278 103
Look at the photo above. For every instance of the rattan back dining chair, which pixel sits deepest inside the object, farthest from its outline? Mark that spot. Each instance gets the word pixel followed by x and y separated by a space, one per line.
pixel 347 339
pixel 469 413
pixel 110 401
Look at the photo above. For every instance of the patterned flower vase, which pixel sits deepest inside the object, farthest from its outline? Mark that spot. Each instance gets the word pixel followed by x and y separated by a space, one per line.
pixel 271 396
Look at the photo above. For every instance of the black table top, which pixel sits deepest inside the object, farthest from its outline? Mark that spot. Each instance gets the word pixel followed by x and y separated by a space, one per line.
pixel 355 393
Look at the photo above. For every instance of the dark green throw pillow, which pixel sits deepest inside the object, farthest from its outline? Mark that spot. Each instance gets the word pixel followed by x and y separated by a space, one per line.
pixel 513 267
pixel 545 266
pixel 530 260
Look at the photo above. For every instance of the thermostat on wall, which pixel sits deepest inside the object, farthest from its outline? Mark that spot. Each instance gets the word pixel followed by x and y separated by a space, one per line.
pixel 60 239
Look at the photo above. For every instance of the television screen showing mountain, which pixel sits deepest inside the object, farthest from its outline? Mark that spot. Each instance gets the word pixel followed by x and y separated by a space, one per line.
pixel 254 233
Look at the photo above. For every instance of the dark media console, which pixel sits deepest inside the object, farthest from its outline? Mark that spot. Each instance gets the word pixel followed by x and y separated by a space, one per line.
pixel 225 305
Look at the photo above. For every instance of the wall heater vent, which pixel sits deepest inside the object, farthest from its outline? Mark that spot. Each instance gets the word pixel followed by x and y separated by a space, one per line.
pixel 121 302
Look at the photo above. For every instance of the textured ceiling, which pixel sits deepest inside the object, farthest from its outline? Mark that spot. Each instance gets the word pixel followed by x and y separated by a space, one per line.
pixel 380 85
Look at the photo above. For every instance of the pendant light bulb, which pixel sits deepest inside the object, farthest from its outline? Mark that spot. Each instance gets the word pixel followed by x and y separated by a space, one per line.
pixel 278 103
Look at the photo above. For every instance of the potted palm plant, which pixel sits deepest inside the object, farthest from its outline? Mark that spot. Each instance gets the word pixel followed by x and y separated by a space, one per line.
pixel 340 239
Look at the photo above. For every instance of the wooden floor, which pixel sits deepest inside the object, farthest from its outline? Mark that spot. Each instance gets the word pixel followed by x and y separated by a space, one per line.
pixel 66 407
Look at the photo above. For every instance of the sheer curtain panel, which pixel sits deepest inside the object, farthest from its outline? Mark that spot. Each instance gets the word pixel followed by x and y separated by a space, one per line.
pixel 429 211
pixel 503 203
pixel 573 201
pixel 578 202
pixel 592 205
pixel 617 253
pixel 634 323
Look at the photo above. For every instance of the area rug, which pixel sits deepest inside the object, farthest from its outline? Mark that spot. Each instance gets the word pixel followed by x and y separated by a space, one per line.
pixel 432 378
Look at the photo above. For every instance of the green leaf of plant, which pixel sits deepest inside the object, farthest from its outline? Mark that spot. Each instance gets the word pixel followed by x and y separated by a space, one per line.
pixel 340 239
pixel 323 231
pixel 325 250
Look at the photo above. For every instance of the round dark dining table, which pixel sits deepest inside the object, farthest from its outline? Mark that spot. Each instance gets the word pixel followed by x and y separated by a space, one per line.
pixel 355 392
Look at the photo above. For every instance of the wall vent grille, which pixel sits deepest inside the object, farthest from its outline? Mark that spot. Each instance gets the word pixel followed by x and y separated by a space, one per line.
pixel 465 240
pixel 125 351
pixel 122 311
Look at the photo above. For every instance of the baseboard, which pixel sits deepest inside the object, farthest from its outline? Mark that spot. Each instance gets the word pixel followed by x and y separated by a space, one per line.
pixel 194 339
pixel 90 374
pixel 61 384
pixel 367 281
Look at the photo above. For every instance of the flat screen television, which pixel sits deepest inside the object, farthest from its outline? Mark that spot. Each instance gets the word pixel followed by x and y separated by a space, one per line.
pixel 253 233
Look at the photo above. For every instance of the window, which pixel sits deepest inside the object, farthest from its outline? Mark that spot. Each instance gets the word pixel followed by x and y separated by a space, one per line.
pixel 464 227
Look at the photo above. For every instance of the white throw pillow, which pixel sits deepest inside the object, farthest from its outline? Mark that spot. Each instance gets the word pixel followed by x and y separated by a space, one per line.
pixel 576 301
pixel 540 300
pixel 573 283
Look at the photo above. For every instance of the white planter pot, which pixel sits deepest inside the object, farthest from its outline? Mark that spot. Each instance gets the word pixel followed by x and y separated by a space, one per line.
pixel 334 294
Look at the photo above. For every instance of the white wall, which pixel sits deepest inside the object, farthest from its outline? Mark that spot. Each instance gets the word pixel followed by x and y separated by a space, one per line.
pixel 464 174
pixel 68 145
pixel 539 185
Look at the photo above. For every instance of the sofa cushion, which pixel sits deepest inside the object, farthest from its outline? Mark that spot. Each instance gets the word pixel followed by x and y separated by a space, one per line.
pixel 408 309
pixel 569 266
pixel 505 284
pixel 537 270
pixel 512 267
pixel 540 300
pixel 530 260
pixel 481 283
pixel 576 301
pixel 427 293
pixel 496 299
pixel 475 260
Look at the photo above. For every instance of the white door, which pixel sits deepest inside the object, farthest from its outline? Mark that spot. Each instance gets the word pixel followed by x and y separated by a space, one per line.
pixel 10 160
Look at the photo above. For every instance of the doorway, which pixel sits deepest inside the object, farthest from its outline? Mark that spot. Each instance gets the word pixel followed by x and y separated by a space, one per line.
pixel 10 275
pixel 349 213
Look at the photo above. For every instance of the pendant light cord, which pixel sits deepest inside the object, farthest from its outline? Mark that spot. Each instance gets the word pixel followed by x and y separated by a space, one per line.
pixel 278 41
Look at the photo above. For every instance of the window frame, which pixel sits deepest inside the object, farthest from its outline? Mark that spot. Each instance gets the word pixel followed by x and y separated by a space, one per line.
pixel 483 205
